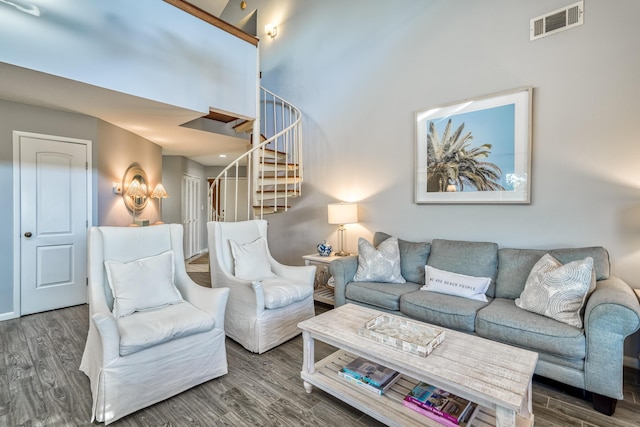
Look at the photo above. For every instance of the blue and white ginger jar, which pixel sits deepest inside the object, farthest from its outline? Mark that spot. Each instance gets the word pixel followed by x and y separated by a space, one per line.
pixel 324 249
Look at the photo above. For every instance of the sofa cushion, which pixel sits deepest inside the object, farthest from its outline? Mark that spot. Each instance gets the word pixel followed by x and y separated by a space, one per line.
pixel 558 291
pixel 502 321
pixel 413 257
pixel 280 292
pixel 145 329
pixel 440 309
pixel 381 264
pixel 382 295
pixel 478 259
pixel 599 254
pixel 514 266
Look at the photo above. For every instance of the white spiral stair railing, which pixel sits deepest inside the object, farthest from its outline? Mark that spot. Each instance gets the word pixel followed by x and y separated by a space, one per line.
pixel 273 166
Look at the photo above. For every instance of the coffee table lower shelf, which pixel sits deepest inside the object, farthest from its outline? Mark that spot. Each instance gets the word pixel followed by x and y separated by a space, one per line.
pixel 386 408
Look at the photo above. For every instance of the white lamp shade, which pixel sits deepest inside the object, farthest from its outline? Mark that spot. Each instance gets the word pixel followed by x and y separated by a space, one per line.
pixel 159 192
pixel 342 213
pixel 135 189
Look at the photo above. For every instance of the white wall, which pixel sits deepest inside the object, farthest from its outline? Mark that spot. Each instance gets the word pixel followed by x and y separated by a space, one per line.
pixel 145 48
pixel 117 150
pixel 360 69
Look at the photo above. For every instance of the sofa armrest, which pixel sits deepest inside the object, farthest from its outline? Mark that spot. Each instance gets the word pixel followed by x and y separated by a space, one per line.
pixel 342 270
pixel 612 313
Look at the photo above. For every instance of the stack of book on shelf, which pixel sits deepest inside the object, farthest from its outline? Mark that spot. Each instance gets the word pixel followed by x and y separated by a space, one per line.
pixel 439 405
pixel 371 376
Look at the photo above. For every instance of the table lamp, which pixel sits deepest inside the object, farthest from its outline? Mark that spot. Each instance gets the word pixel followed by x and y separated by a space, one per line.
pixel 341 214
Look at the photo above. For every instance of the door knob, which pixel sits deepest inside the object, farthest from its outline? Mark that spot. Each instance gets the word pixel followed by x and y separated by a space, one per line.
pixel 27 234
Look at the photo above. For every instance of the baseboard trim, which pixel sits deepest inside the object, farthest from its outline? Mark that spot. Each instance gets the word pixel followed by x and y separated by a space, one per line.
pixel 9 315
pixel 631 362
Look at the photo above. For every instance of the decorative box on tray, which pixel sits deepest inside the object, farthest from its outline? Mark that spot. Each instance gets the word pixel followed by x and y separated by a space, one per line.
pixel 402 334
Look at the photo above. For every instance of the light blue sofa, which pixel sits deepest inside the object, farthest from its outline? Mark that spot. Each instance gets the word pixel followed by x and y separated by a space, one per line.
pixel 590 358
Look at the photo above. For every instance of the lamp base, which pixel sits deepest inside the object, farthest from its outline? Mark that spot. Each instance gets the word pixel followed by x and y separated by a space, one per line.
pixel 342 253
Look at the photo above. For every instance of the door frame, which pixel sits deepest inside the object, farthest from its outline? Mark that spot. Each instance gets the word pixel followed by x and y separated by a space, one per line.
pixel 17 212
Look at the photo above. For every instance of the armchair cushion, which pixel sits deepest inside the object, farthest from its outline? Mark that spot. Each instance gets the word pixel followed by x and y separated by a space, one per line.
pixel 142 284
pixel 251 261
pixel 152 327
pixel 280 292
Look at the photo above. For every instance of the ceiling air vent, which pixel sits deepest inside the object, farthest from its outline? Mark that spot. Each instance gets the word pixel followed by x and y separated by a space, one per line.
pixel 556 21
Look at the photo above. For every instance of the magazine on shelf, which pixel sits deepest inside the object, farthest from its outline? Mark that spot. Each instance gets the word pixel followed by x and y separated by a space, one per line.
pixel 370 372
pixel 438 418
pixel 439 402
pixel 368 386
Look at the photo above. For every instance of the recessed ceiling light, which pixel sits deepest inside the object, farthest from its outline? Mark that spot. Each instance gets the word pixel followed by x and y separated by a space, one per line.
pixel 222 155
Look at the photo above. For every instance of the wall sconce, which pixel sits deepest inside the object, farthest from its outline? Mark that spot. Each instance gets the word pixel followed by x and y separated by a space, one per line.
pixel 342 213
pixel 116 187
pixel 136 191
pixel 159 193
pixel 271 30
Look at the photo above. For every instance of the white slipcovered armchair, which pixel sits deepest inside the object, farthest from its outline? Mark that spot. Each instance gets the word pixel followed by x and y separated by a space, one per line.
pixel 151 342
pixel 267 300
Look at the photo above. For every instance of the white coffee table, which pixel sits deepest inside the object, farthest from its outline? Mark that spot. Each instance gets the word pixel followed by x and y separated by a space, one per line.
pixel 494 375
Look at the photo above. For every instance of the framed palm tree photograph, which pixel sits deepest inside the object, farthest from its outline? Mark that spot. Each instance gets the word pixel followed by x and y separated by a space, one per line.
pixel 475 151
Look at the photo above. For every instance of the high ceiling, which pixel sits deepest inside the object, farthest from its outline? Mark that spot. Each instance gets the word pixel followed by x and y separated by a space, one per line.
pixel 205 141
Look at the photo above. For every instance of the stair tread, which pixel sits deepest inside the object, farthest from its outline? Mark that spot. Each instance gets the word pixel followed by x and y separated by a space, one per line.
pixel 290 175
pixel 280 177
pixel 271 162
pixel 268 153
pixel 244 126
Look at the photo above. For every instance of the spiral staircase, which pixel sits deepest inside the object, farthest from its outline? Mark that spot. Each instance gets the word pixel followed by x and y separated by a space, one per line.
pixel 272 167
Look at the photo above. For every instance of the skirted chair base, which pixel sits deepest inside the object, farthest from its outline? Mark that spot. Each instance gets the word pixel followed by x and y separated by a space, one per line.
pixel 151 376
pixel 271 328
pixel 267 299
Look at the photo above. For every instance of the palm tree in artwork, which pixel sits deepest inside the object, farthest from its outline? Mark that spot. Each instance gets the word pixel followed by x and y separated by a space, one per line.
pixel 452 163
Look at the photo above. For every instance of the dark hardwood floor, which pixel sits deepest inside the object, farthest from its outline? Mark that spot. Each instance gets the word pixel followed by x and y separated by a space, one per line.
pixel 40 385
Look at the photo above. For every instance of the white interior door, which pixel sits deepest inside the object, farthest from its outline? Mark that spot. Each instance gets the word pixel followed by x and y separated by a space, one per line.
pixel 53 222
pixel 191 214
